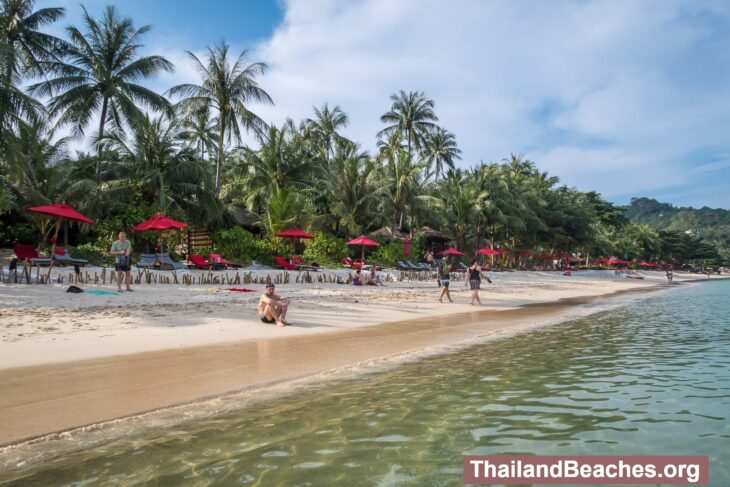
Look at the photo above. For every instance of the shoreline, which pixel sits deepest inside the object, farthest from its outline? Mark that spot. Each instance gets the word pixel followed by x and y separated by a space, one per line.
pixel 42 400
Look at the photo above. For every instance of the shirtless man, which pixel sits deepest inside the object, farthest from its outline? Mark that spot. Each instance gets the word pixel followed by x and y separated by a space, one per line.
pixel 272 307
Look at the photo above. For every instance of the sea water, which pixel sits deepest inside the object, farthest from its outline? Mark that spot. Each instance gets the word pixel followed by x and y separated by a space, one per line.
pixel 651 378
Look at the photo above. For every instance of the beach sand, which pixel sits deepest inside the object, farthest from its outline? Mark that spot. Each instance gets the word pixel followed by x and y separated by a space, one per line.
pixel 69 360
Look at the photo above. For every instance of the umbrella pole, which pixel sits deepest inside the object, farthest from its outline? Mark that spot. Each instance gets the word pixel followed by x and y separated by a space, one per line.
pixel 53 250
pixel 362 255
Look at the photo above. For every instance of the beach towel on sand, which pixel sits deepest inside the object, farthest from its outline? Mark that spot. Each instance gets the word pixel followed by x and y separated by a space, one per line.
pixel 100 292
pixel 240 290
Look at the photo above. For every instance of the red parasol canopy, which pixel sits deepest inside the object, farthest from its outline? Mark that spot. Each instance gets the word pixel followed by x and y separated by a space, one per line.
pixel 524 253
pixel 294 233
pixel 546 256
pixel 159 222
pixel 648 264
pixel 363 241
pixel 61 210
pixel 600 261
pixel 451 251
pixel 488 251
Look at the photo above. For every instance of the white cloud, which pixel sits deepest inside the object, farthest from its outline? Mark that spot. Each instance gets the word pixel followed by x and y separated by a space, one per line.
pixel 595 92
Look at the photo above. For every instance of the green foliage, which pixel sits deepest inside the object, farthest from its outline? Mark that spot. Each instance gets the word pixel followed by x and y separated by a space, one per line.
pixel 239 245
pixel 15 232
pixel 95 252
pixel 325 249
pixel 6 202
pixel 387 254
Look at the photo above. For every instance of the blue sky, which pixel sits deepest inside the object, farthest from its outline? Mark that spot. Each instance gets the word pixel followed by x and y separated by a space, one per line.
pixel 626 97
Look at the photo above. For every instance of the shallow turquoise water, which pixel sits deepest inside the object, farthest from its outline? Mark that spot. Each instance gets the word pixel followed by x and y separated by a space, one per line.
pixel 650 378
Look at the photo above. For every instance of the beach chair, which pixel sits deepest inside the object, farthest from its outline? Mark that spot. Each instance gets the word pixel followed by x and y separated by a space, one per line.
pixel 27 252
pixel 299 263
pixel 419 267
pixel 281 262
pixel 201 263
pixel 61 257
pixel 217 258
pixel 147 261
pixel 166 262
pixel 406 267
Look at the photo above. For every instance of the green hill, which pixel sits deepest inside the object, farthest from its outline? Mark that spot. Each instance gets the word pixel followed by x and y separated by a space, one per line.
pixel 710 224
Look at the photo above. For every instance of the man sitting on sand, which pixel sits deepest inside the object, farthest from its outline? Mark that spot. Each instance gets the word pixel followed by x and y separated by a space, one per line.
pixel 272 307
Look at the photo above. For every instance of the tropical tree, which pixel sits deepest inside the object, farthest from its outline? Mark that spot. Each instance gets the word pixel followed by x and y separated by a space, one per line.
pixel 347 183
pixel 398 180
pixel 100 73
pixel 439 151
pixel 25 48
pixel 154 163
pixel 199 131
pixel 411 116
pixel 228 88
pixel 324 128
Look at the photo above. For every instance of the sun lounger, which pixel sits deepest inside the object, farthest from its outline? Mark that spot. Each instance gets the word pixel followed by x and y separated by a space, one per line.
pixel 420 267
pixel 26 252
pixel 281 262
pixel 201 263
pixel 166 262
pixel 299 263
pixel 147 261
pixel 217 258
pixel 406 267
pixel 62 257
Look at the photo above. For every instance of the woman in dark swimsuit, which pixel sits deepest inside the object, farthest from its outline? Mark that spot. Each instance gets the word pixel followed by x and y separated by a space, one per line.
pixel 475 280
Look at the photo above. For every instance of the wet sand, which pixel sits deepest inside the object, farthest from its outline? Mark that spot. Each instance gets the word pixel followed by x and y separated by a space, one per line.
pixel 40 400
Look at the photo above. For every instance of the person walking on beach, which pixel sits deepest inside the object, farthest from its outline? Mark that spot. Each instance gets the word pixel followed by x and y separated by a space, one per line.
pixel 670 275
pixel 443 273
pixel 272 307
pixel 475 280
pixel 122 250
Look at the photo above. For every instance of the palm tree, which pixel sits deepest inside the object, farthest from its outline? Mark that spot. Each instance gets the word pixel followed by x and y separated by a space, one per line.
pixel 199 132
pixel 348 186
pixel 411 116
pixel 440 150
pixel 228 88
pixel 25 48
pixel 167 175
pixel 324 128
pixel 100 75
pixel 398 179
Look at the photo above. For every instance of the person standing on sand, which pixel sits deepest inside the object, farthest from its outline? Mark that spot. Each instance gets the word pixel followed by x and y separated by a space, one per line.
pixel 272 307
pixel 444 273
pixel 475 280
pixel 122 250
pixel 670 275
pixel 429 258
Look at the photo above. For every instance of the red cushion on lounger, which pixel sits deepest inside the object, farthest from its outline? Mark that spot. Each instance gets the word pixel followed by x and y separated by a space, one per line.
pixel 60 251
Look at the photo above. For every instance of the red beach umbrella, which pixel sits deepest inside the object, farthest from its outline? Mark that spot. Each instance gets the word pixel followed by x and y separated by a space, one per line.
pixel 159 222
pixel 524 253
pixel 546 257
pixel 648 264
pixel 62 212
pixel 451 251
pixel 363 241
pixel 294 233
pixel 488 251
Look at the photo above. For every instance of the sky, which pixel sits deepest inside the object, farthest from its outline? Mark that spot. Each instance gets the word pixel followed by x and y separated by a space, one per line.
pixel 625 97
